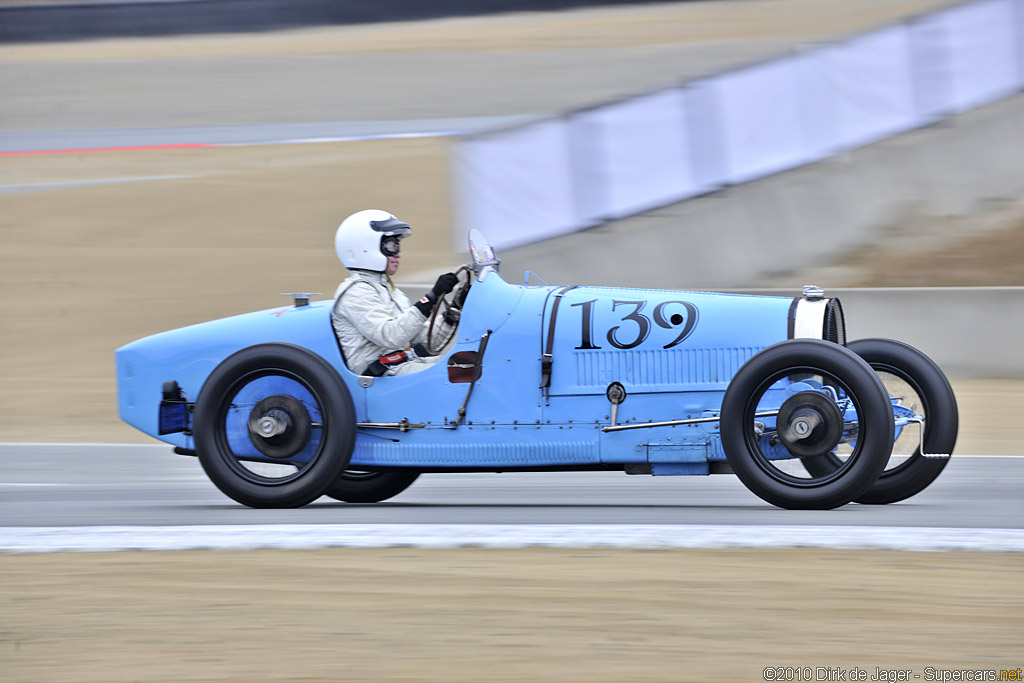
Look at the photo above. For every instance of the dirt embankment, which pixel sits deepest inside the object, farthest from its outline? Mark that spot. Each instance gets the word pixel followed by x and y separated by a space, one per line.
pixel 503 615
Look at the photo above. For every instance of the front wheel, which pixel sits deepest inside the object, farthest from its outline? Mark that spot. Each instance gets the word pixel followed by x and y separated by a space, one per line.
pixel 355 486
pixel 274 426
pixel 800 399
pixel 917 386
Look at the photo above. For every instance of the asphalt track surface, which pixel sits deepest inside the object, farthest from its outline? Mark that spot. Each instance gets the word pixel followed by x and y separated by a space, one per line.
pixel 88 96
pixel 45 485
pixel 448 76
pixel 39 142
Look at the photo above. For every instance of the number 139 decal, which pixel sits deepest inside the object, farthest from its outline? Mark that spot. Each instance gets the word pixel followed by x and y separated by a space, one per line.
pixel 637 326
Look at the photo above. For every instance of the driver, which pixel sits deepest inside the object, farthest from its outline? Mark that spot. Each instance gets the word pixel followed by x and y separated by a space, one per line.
pixel 380 332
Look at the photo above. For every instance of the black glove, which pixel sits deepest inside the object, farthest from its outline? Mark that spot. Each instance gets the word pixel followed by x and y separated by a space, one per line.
pixel 444 284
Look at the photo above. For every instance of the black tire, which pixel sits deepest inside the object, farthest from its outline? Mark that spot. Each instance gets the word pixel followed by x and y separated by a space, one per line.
pixel 324 446
pixel 767 477
pixel 355 486
pixel 906 477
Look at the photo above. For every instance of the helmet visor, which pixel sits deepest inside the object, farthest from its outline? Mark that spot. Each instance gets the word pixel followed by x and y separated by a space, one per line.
pixel 391 245
pixel 391 226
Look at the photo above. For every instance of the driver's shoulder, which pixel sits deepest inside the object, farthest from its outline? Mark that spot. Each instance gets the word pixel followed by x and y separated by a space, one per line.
pixel 355 296
pixel 361 283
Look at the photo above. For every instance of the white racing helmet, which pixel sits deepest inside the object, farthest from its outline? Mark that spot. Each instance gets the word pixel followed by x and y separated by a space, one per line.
pixel 359 237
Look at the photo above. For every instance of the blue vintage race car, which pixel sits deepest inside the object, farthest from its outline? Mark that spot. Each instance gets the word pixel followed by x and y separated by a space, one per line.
pixel 542 378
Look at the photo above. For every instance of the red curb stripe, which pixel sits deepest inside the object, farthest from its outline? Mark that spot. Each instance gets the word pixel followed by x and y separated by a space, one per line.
pixel 93 150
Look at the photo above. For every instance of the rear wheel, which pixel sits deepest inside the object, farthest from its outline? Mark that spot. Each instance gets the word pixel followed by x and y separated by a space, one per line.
pixel 355 486
pixel 800 399
pixel 274 426
pixel 921 388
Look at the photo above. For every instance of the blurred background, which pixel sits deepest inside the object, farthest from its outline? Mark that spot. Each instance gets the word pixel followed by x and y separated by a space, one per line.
pixel 155 174
pixel 165 163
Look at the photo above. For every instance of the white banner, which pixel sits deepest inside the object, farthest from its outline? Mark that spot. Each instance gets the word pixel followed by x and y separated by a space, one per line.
pixel 931 66
pixel 1019 12
pixel 820 106
pixel 984 62
pixel 761 120
pixel 515 186
pixel 640 156
pixel 704 131
pixel 866 84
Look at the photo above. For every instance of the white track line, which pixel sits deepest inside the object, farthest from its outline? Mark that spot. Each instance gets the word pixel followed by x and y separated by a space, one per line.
pixel 73 184
pixel 345 138
pixel 311 536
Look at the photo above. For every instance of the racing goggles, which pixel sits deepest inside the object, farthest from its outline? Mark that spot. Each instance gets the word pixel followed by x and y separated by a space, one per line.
pixel 391 245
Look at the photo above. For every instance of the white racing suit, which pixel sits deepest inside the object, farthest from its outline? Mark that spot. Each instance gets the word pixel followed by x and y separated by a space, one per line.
pixel 371 317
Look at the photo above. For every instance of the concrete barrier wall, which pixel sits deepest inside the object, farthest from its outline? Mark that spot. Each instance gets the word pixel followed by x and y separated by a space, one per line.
pixel 744 235
pixel 968 331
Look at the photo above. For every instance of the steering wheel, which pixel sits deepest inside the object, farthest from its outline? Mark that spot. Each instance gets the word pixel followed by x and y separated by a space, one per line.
pixel 451 303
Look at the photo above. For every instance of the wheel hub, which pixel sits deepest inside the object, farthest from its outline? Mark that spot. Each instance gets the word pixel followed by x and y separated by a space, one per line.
pixel 279 426
pixel 274 423
pixel 809 424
